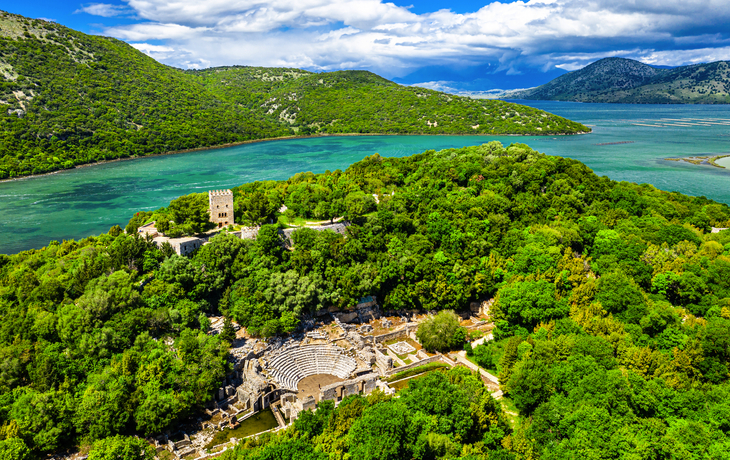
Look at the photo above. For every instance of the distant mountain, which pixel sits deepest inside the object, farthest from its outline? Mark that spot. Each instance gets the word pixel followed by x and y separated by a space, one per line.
pixel 67 98
pixel 632 82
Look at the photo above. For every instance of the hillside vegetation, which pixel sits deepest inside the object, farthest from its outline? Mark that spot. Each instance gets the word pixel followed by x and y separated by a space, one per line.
pixel 612 314
pixel 68 98
pixel 632 82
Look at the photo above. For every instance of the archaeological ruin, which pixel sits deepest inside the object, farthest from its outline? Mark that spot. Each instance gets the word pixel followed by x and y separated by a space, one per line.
pixel 335 354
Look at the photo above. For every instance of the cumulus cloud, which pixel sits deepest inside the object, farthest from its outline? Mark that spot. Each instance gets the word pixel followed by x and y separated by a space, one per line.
pixel 391 40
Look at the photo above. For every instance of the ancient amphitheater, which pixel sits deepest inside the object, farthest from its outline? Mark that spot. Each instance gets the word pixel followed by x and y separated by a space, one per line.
pixel 289 366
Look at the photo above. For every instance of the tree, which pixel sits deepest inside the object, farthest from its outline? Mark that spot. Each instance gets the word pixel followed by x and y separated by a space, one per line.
pixel 441 332
pixel 269 241
pixel 619 294
pixel 14 449
pixel 228 333
pixel 357 204
pixel 190 212
pixel 529 303
pixel 529 385
pixel 121 448
pixel 255 208
pixel 381 433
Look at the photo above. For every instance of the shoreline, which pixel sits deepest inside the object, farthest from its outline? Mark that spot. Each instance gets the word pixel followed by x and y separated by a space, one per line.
pixel 267 139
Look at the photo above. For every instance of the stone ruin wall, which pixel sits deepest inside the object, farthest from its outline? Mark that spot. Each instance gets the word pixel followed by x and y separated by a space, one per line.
pixel 428 360
pixel 407 332
pixel 360 385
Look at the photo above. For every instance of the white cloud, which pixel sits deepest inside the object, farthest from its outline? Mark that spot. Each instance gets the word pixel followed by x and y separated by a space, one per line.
pixel 103 9
pixel 322 34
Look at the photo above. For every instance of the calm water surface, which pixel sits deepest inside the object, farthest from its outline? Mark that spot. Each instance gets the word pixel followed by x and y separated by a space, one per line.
pixel 87 201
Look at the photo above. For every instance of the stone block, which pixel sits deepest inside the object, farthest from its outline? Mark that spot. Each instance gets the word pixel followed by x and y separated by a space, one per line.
pixel 309 403
pixel 348 317
pixel 369 385
pixel 328 393
pixel 351 388
pixel 242 396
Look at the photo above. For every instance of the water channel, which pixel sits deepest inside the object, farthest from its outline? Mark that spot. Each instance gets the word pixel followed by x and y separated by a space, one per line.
pixel 629 143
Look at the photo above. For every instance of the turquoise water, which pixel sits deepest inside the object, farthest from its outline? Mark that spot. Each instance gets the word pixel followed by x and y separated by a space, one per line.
pixel 87 201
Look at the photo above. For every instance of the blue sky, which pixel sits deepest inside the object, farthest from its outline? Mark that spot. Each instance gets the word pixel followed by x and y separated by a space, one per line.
pixel 438 43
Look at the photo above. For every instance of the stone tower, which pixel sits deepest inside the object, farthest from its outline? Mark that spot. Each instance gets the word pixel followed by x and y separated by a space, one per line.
pixel 221 207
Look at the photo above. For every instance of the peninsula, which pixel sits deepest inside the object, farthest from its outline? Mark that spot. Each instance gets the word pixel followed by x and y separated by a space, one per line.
pixel 478 303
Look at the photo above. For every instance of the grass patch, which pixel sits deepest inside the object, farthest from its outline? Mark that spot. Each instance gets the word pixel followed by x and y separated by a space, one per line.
pixel 415 371
pixel 510 411
pixel 293 221
pixel 165 455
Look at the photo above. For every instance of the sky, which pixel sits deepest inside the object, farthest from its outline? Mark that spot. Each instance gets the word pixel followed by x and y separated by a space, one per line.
pixel 477 45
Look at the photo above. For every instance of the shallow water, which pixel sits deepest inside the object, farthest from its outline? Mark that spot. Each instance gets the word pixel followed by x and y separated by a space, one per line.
pixel 629 142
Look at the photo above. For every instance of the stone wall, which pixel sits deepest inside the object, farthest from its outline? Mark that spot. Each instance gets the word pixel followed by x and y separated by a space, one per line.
pixel 384 362
pixel 405 333
pixel 431 359
pixel 181 246
pixel 360 385
pixel 249 233
pixel 254 386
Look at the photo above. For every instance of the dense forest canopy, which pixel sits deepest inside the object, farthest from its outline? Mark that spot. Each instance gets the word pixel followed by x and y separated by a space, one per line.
pixel 68 98
pixel 612 315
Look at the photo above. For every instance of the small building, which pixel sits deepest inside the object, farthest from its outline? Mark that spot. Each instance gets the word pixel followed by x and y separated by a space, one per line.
pixel 182 246
pixel 220 208
pixel 186 246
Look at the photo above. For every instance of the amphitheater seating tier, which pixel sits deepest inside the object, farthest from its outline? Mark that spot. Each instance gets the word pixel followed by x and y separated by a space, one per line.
pixel 293 364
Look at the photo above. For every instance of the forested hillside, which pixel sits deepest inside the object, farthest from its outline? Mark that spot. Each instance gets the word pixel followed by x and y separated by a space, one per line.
pixel 631 82
pixel 362 102
pixel 68 98
pixel 612 312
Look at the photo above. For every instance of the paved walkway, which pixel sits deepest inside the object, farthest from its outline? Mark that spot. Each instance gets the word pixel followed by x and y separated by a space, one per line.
pixel 481 340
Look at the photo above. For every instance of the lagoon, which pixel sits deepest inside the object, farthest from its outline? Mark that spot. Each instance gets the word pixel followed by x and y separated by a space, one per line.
pixel 629 142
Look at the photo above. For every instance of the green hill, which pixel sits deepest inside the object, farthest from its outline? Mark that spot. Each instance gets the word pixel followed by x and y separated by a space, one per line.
pixel 68 98
pixel 612 314
pixel 631 82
